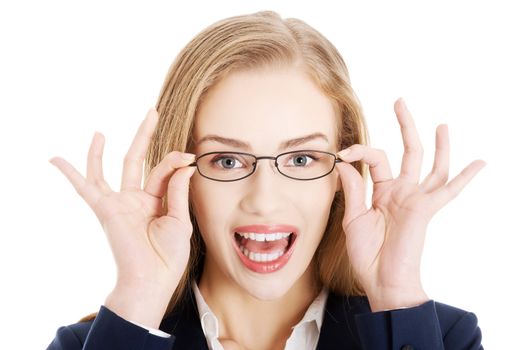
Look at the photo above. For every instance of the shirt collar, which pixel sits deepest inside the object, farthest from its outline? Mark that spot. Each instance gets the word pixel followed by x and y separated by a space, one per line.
pixel 315 311
pixel 209 321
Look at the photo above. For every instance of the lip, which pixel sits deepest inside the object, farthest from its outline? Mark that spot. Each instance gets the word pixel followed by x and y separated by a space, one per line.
pixel 267 228
pixel 267 266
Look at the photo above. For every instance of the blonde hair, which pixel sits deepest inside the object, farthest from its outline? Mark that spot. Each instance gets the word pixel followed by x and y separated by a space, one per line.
pixel 257 41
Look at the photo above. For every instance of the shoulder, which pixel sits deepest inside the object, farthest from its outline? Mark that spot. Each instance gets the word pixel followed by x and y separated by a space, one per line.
pixel 72 336
pixel 350 320
pixel 456 323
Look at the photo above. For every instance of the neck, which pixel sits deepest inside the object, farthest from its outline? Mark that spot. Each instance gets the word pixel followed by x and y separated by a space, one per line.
pixel 242 317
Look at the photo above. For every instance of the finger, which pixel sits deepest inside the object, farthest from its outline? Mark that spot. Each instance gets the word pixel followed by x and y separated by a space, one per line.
pixel 354 191
pixel 178 194
pixel 413 152
pixel 440 172
pixel 158 179
pixel 134 159
pixel 376 159
pixel 445 194
pixel 89 193
pixel 95 173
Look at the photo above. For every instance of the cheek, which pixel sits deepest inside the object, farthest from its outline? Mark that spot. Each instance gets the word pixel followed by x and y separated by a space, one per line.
pixel 321 194
pixel 212 208
pixel 315 205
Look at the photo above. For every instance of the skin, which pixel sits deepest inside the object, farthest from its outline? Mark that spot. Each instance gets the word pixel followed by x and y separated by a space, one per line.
pixel 263 109
pixel 151 250
pixel 385 241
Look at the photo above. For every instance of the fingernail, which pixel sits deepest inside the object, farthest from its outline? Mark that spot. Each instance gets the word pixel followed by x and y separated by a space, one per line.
pixel 403 104
pixel 98 134
pixel 188 156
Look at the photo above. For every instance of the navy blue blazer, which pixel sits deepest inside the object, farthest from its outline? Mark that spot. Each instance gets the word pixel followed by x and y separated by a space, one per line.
pixel 348 324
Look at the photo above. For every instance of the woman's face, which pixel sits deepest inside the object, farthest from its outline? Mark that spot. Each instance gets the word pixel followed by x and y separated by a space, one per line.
pixel 262 110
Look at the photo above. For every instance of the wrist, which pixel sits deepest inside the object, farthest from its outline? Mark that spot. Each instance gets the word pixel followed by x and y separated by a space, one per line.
pixel 139 304
pixel 386 300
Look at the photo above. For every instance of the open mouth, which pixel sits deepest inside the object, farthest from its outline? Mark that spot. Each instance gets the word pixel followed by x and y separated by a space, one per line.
pixel 264 252
pixel 264 247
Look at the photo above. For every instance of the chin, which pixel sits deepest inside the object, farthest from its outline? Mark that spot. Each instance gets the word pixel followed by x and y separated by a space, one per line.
pixel 268 290
pixel 270 286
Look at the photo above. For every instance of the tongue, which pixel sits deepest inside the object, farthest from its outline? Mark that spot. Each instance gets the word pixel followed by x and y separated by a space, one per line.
pixel 265 247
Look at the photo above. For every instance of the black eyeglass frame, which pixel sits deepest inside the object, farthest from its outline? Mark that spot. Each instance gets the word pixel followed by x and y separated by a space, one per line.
pixel 336 160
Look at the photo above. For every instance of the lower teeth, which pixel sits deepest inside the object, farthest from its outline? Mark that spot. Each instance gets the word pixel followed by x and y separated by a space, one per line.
pixel 261 257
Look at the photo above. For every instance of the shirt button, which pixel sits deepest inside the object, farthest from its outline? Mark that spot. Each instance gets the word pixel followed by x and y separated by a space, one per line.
pixel 407 347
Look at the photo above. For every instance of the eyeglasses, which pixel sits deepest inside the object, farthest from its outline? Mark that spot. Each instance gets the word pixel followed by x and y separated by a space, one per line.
pixel 232 166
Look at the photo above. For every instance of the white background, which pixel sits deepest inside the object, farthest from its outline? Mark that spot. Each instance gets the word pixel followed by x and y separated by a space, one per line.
pixel 68 69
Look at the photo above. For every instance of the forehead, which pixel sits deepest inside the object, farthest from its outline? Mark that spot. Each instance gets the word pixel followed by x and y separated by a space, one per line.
pixel 264 108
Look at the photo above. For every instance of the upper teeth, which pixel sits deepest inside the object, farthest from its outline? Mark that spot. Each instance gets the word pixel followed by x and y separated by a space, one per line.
pixel 264 236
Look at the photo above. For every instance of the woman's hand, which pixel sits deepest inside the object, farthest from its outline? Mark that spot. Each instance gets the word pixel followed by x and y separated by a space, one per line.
pixel 151 249
pixel 385 242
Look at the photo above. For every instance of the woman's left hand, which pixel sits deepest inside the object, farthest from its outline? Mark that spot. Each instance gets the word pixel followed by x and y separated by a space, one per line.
pixel 385 242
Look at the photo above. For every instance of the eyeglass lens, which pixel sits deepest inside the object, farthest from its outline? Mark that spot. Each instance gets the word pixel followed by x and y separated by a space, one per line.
pixel 302 165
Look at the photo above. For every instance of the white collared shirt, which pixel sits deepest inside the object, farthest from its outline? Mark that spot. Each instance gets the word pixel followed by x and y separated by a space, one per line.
pixel 304 336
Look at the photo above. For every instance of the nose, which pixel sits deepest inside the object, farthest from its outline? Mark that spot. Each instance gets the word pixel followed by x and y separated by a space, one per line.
pixel 266 167
pixel 264 190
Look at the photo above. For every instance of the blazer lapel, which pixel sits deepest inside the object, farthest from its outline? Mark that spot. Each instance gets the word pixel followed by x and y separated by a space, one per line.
pixel 184 324
pixel 338 326
pixel 338 329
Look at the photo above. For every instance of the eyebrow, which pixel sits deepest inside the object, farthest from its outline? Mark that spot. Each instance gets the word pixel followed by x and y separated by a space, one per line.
pixel 283 145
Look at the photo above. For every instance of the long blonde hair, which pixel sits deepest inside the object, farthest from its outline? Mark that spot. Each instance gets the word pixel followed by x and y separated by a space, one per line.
pixel 255 41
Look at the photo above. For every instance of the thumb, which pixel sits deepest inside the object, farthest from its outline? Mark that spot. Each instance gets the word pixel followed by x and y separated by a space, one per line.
pixel 177 194
pixel 354 194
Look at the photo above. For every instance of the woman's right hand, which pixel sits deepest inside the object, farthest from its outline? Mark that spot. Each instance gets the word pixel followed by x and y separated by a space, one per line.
pixel 151 249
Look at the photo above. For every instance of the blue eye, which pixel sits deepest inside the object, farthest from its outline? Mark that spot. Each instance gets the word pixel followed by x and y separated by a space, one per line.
pixel 225 161
pixel 300 160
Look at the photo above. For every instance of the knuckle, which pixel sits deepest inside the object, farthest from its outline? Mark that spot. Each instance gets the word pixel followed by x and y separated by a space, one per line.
pixel 173 156
pixel 80 190
pixel 417 149
pixel 100 183
pixel 441 174
pixel 452 193
pixel 168 158
pixel 382 155
pixel 129 159
pixel 443 177
pixel 174 159
pixel 165 161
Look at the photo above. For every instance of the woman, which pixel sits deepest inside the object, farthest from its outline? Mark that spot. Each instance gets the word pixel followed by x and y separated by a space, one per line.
pixel 249 232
